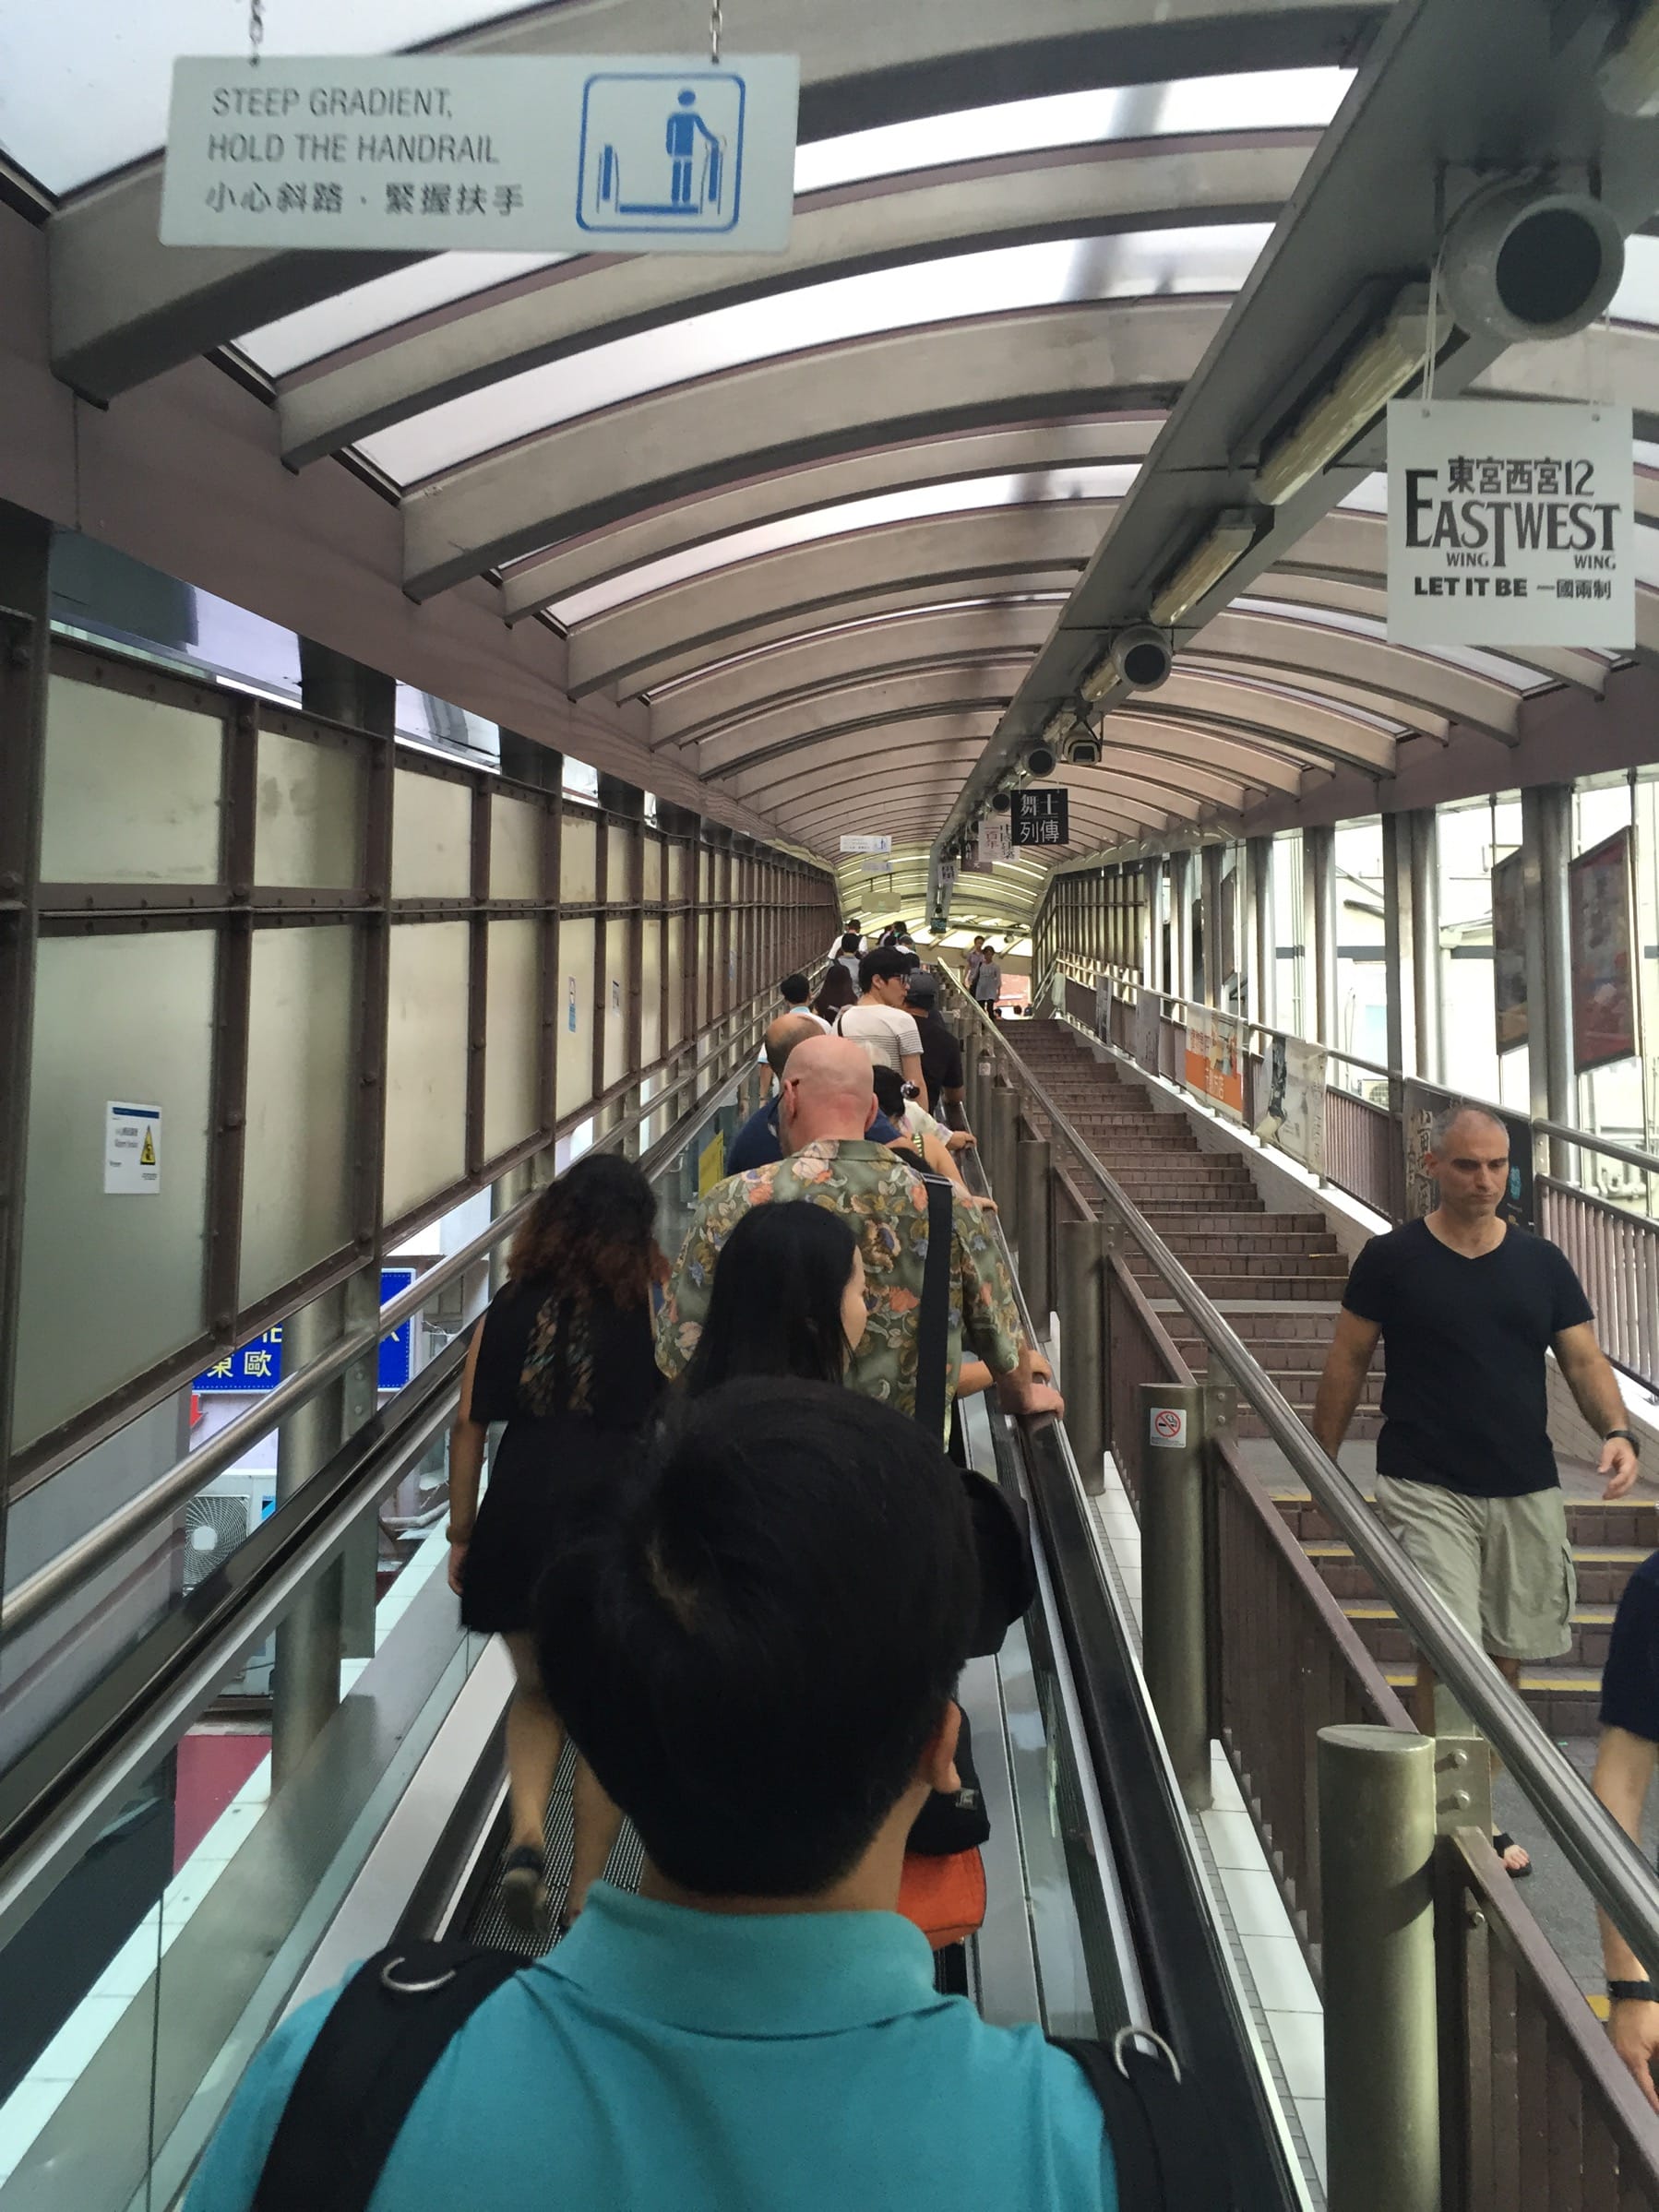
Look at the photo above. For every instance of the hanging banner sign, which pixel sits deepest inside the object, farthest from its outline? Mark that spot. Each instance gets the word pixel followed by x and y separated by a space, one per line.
pixel 1422 1101
pixel 431 153
pixel 1149 1025
pixel 1042 814
pixel 1214 1064
pixel 866 844
pixel 1599 904
pixel 996 840
pixel 1294 1118
pixel 1509 951
pixel 1510 523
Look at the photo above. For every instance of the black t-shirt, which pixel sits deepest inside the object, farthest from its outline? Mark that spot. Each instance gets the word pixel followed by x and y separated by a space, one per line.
pixel 941 1057
pixel 546 1353
pixel 1464 1401
pixel 1630 1681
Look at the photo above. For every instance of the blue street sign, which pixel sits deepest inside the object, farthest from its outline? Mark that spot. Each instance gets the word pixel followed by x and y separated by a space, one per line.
pixel 256 1365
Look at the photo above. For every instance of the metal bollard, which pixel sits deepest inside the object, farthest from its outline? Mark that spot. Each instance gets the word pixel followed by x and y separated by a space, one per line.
pixel 1032 1181
pixel 1080 1295
pixel 1172 1578
pixel 1377 1842
pixel 1003 1122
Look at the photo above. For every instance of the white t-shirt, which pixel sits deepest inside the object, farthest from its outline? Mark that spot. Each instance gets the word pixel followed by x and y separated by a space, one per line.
pixel 888 1034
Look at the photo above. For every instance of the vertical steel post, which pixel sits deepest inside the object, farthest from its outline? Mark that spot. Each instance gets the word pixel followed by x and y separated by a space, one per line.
pixel 360 1401
pixel 1319 936
pixel 1264 943
pixel 1175 1577
pixel 305 1680
pixel 1033 1181
pixel 1004 1116
pixel 1215 982
pixel 1080 1295
pixel 1180 925
pixel 1399 941
pixel 1428 1006
pixel 1376 1843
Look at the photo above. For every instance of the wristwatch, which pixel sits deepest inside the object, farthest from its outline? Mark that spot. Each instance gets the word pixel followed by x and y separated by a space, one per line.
pixel 1632 1992
pixel 1629 1437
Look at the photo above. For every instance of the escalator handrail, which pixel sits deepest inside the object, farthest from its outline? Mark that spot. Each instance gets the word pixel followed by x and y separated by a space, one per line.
pixel 1611 1866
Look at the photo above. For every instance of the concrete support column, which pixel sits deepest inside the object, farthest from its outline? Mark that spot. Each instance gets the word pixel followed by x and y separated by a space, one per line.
pixel 1080 1299
pixel 1319 933
pixel 1429 1007
pixel 310 1638
pixel 1259 929
pixel 1033 1183
pixel 1172 1523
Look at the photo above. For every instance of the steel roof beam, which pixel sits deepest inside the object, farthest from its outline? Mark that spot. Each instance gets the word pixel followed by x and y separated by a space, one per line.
pixel 1016 199
pixel 125 307
pixel 544 579
pixel 1370 663
pixel 1012 367
pixel 1505 84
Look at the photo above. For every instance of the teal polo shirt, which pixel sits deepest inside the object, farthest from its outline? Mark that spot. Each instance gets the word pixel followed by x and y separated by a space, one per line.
pixel 662 2060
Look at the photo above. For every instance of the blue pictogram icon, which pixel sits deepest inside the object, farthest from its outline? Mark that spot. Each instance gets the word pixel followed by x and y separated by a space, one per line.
pixel 661 154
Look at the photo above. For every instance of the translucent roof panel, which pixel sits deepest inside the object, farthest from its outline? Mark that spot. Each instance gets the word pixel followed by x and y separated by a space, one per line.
pixel 84 84
pixel 1469 658
pixel 367 309
pixel 1277 100
pixel 868 622
pixel 1202 259
pixel 1107 481
pixel 1637 299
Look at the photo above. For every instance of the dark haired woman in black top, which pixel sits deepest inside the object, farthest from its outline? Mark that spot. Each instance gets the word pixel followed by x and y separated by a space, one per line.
pixel 565 1358
pixel 787 1299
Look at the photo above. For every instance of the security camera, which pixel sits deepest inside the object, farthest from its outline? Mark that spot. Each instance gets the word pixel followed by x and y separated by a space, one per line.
pixel 1141 657
pixel 1040 760
pixel 1524 258
pixel 1001 801
pixel 1082 749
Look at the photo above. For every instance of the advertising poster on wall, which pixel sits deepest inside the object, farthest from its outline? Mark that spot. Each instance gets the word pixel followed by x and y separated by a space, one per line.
pixel 1423 1102
pixel 1149 1025
pixel 1603 1009
pixel 1292 1116
pixel 1509 951
pixel 1214 1062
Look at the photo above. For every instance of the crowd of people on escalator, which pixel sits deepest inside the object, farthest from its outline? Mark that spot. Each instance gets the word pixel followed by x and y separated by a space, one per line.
pixel 731 1555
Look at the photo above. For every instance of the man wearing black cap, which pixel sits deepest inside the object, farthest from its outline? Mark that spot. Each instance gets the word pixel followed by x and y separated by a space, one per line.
pixel 941 1054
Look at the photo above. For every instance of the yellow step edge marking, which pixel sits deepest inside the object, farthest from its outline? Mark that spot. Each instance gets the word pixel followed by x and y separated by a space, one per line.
pixel 1587 1616
pixel 1590 1680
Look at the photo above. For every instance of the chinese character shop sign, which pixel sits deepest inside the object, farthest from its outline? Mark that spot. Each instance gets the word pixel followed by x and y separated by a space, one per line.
pixel 1510 524
pixel 538 153
pixel 1042 814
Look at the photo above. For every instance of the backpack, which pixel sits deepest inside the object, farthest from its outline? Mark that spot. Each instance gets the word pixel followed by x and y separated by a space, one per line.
pixel 399 2012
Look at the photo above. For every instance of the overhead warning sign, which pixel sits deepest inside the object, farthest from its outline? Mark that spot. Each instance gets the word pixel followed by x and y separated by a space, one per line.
pixel 430 153
pixel 132 1150
pixel 1510 523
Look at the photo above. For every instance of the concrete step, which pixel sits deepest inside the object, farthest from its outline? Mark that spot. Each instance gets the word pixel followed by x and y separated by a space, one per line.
pixel 1593 1524
pixel 1602 1570
pixel 1264 1233
pixel 1565 1698
pixel 1387 1642
pixel 1276 1275
pixel 1364 1427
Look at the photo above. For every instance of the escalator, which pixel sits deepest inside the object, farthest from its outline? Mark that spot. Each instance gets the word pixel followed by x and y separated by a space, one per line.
pixel 1099 1917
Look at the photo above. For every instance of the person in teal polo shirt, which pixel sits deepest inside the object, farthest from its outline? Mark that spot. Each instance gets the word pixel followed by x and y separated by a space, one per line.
pixel 756 1653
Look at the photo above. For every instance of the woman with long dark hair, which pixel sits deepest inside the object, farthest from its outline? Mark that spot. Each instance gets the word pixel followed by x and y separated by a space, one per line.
pixel 787 1300
pixel 837 990
pixel 565 1358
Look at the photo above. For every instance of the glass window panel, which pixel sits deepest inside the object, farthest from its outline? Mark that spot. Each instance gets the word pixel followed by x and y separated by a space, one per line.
pixel 128 1020
pixel 516 827
pixel 1201 258
pixel 309 829
pixel 617 941
pixel 577 866
pixel 512 1034
pixel 616 865
pixel 651 1003
pixel 380 305
pixel 301 1087
pixel 425 1063
pixel 579 780
pixel 131 790
pixel 431 836
pixel 1110 481
pixel 653 868
pixel 676 871
pixel 705 979
pixel 1637 299
pixel 576 1012
pixel 677 987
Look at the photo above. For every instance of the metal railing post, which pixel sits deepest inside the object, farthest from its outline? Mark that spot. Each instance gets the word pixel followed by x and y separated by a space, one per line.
pixel 309 1641
pixel 1174 1579
pixel 1376 1843
pixel 1033 1186
pixel 1079 1294
pixel 1004 1121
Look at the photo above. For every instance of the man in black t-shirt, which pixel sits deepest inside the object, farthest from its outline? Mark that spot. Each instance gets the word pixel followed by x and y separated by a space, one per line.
pixel 1623 1768
pixel 941 1054
pixel 1467 1307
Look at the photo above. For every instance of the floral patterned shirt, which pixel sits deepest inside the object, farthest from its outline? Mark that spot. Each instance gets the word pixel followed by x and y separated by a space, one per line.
pixel 885 1203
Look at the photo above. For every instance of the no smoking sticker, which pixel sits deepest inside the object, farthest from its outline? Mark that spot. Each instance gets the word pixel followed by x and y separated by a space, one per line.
pixel 1168 1427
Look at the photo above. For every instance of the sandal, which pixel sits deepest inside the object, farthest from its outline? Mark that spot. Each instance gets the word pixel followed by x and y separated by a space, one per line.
pixel 524 1890
pixel 1503 1843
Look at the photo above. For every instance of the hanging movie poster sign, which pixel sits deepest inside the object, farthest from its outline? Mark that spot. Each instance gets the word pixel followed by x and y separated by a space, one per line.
pixel 1599 903
pixel 1294 1118
pixel 1214 1065
pixel 1509 951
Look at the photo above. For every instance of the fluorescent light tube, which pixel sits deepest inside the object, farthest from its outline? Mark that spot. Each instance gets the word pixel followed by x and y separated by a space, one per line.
pixel 1372 375
pixel 1232 535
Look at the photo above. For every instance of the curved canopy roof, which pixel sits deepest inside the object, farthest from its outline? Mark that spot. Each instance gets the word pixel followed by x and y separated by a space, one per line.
pixel 804 522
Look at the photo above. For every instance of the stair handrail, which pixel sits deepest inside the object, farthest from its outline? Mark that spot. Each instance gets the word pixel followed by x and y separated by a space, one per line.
pixel 1611 1866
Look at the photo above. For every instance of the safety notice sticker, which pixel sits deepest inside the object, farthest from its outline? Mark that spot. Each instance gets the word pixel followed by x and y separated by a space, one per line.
pixel 1168 1427
pixel 132 1150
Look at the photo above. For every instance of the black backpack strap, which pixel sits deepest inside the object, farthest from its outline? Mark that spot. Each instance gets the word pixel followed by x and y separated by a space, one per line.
pixel 933 1323
pixel 388 2029
pixel 1167 2154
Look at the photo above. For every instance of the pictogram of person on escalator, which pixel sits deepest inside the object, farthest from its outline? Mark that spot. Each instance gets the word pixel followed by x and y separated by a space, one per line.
pixel 684 128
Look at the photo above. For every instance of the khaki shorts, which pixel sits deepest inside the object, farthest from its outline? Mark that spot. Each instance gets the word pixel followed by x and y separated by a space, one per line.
pixel 1503 1565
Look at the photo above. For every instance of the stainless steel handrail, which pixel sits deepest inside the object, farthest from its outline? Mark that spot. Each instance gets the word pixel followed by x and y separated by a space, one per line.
pixel 21 1608
pixel 1586 1140
pixel 1617 1875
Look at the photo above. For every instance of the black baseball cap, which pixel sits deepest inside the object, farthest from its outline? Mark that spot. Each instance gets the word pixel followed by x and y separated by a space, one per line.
pixel 922 987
